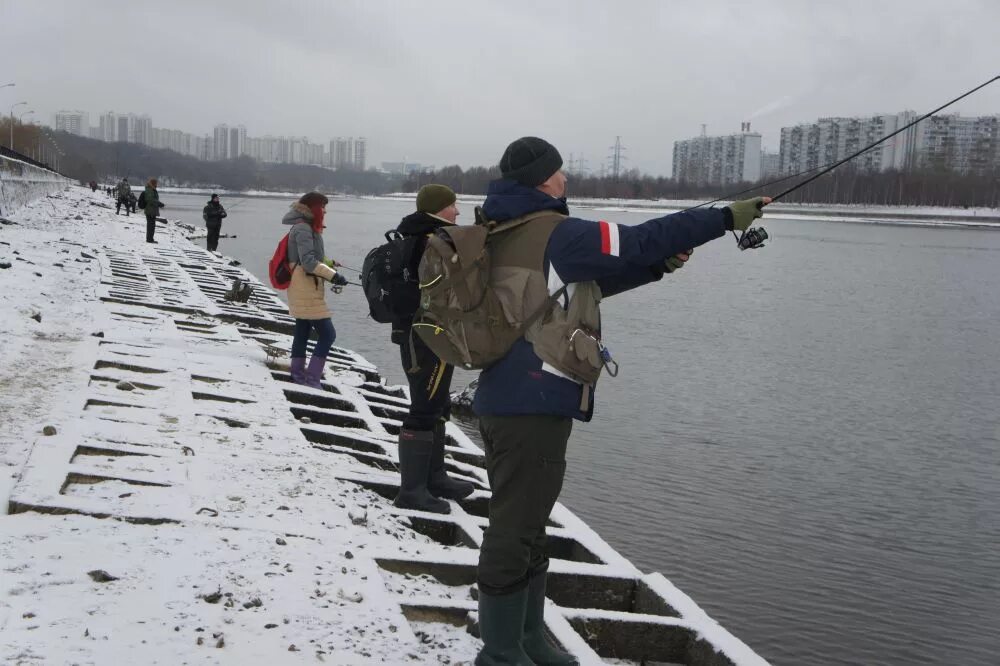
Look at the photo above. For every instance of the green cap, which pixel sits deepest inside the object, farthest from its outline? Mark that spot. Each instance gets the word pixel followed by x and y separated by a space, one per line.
pixel 434 198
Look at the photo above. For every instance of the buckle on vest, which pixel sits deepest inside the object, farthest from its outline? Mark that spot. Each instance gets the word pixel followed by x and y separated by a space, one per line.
pixel 609 362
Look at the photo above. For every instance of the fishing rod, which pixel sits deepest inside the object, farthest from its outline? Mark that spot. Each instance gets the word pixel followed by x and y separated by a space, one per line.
pixel 240 202
pixel 754 238
pixel 338 288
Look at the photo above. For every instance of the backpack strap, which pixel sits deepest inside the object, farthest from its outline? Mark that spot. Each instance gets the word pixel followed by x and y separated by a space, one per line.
pixel 507 225
pixel 549 303
pixel 414 366
pixel 469 251
pixel 466 249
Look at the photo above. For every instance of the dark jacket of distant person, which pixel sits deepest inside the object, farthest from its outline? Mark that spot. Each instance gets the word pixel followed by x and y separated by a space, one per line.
pixel 213 213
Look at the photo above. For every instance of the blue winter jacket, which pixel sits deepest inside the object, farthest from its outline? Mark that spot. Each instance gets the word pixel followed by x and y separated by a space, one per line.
pixel 617 256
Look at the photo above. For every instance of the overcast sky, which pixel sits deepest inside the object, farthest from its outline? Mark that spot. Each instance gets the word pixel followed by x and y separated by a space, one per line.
pixel 452 82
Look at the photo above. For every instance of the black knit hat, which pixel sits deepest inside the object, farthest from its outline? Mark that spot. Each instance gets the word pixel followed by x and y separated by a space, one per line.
pixel 530 161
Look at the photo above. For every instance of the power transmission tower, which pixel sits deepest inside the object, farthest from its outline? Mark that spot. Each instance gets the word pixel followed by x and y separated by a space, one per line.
pixel 616 158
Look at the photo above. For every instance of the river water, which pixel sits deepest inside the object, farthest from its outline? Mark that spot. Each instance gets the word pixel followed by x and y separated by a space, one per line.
pixel 804 438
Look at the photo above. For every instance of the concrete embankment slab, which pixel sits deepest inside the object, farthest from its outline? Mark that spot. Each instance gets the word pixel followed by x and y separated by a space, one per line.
pixel 189 503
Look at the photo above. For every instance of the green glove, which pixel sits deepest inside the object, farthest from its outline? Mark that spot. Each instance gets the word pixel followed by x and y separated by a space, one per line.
pixel 746 211
pixel 331 263
pixel 675 263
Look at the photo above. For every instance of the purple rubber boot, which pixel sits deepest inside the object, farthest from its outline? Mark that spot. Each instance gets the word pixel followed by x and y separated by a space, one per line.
pixel 298 370
pixel 314 372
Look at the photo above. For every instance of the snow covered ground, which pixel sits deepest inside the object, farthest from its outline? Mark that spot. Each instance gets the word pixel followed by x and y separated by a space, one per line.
pixel 174 499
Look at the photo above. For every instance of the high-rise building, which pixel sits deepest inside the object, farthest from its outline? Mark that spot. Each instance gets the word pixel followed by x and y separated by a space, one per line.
pixel 314 154
pixel 229 142
pixel 74 122
pixel 107 130
pixel 130 128
pixel 175 140
pixel 360 153
pixel 770 165
pixel 343 152
pixel 226 141
pixel 953 142
pixel 949 142
pixel 220 142
pixel 121 133
pixel 140 129
pixel 264 149
pixel 204 147
pixel 719 160
pixel 237 141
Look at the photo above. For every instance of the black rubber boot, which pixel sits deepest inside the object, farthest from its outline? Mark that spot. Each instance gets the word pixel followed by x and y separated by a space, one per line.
pixel 536 644
pixel 438 481
pixel 415 453
pixel 501 622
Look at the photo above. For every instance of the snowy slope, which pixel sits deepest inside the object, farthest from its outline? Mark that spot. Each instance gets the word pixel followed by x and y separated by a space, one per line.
pixel 174 499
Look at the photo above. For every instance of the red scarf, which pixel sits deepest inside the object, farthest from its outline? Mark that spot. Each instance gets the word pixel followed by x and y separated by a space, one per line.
pixel 318 215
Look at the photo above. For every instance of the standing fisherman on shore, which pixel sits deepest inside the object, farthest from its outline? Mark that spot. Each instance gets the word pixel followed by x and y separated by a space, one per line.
pixel 123 190
pixel 151 206
pixel 213 214
pixel 424 482
pixel 527 401
pixel 311 270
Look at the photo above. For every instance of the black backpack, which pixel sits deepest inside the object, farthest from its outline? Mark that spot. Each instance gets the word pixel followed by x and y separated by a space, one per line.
pixel 389 279
pixel 142 199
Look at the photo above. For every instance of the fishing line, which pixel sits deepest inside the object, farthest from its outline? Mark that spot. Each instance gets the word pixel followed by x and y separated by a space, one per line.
pixel 732 195
pixel 755 241
pixel 883 139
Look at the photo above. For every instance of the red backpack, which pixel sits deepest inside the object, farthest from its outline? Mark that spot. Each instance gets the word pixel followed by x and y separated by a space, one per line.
pixel 278 269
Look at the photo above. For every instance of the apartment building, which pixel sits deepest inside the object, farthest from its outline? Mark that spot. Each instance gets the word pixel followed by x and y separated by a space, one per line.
pixel 719 160
pixel 228 142
pixel 348 153
pixel 948 142
pixel 74 122
pixel 224 143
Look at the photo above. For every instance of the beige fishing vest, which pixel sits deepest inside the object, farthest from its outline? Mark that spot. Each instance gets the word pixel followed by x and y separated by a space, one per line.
pixel 567 339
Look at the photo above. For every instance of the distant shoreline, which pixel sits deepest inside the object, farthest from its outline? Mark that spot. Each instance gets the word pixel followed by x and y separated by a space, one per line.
pixel 929 216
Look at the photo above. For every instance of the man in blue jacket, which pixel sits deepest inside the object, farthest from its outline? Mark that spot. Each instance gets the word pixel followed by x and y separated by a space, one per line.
pixel 526 407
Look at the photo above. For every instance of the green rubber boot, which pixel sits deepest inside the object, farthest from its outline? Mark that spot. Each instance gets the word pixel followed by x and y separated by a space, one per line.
pixel 415 454
pixel 501 622
pixel 536 644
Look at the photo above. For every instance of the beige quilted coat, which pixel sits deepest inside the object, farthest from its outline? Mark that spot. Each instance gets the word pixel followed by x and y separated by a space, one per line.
pixel 310 277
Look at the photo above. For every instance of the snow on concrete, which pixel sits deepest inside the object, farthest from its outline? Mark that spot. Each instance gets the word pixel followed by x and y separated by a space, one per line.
pixel 22 183
pixel 175 499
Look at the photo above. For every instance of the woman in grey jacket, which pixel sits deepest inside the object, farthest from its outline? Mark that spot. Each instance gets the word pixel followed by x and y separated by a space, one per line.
pixel 311 270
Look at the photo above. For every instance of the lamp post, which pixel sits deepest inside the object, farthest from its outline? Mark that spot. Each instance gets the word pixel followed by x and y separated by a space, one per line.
pixel 19 116
pixel 12 123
